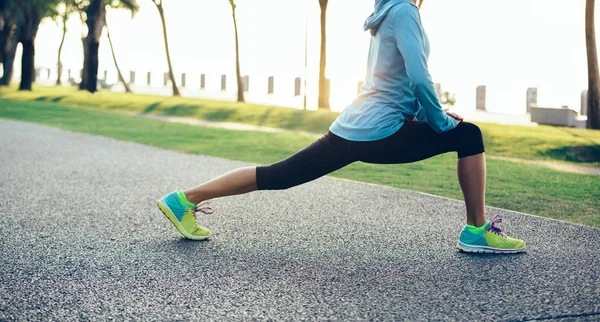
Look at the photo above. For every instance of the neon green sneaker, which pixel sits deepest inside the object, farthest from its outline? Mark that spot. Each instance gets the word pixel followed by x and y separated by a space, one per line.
pixel 490 240
pixel 182 214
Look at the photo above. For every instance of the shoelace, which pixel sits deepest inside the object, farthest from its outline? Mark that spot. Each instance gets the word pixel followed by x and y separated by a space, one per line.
pixel 201 208
pixel 496 230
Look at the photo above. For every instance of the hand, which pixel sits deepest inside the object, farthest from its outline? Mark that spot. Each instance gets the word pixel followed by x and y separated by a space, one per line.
pixel 455 116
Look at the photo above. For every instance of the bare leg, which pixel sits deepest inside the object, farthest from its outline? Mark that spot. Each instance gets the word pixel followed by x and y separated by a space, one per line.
pixel 471 176
pixel 235 182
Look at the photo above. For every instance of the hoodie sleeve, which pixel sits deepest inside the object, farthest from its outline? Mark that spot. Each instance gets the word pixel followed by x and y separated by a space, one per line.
pixel 411 44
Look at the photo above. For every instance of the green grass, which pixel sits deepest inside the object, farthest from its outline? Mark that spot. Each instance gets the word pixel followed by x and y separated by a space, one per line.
pixel 537 143
pixel 516 186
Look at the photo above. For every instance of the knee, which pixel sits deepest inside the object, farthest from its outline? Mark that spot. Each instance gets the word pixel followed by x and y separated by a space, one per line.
pixel 470 131
pixel 471 139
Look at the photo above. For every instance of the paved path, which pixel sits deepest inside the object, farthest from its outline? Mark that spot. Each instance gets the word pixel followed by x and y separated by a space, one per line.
pixel 81 238
pixel 246 127
pixel 221 125
pixel 564 167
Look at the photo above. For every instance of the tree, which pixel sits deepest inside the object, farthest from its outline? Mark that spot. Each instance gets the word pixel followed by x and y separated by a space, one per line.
pixel 593 121
pixel 2 10
pixel 95 21
pixel 112 50
pixel 161 12
pixel 240 85
pixel 70 6
pixel 324 88
pixel 448 99
pixel 133 7
pixel 27 33
pixel 30 14
pixel 8 40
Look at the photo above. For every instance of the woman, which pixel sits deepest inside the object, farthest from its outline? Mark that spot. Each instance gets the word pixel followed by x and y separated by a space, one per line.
pixel 397 118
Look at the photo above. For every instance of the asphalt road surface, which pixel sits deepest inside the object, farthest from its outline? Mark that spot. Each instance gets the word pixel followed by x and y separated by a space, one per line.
pixel 81 238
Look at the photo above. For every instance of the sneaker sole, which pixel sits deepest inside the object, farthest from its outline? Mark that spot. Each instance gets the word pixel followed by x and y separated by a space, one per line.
pixel 169 214
pixel 484 249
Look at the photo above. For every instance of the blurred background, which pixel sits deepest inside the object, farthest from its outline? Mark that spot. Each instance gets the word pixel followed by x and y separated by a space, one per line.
pixel 508 46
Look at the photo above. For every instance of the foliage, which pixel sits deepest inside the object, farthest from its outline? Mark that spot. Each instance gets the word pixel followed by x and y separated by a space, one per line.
pixel 448 98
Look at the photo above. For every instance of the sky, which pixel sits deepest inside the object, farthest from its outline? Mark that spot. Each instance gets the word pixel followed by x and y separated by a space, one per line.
pixel 507 45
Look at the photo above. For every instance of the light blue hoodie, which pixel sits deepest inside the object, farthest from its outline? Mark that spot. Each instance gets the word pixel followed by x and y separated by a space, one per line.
pixel 398 86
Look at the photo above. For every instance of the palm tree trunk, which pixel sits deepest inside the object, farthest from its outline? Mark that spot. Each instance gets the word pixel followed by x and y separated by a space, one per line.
pixel 8 57
pixel 91 83
pixel 85 55
pixel 27 39
pixel 95 22
pixel 59 66
pixel 592 60
pixel 112 50
pixel 240 85
pixel 324 89
pixel 4 33
pixel 27 65
pixel 164 27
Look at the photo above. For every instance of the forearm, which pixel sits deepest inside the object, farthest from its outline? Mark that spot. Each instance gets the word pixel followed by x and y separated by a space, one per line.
pixel 431 110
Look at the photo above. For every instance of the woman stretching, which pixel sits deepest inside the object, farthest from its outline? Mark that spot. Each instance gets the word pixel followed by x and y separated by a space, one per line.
pixel 397 118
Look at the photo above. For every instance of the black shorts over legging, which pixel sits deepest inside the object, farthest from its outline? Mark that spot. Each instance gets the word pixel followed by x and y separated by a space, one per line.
pixel 414 141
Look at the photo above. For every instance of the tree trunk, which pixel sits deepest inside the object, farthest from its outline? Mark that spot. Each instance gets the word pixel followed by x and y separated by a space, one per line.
pixel 420 4
pixel 85 55
pixel 5 31
pixel 8 57
pixel 27 65
pixel 27 39
pixel 324 88
pixel 593 76
pixel 164 27
pixel 95 22
pixel 92 70
pixel 240 85
pixel 59 66
pixel 83 83
pixel 112 50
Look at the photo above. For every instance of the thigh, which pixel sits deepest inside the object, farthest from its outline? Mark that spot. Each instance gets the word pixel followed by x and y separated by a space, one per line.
pixel 414 141
pixel 327 154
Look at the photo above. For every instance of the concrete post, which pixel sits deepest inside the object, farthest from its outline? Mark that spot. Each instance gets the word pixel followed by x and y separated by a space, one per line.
pixel 532 96
pixel 480 98
pixel 271 85
pixel 584 103
pixel 246 83
pixel 297 86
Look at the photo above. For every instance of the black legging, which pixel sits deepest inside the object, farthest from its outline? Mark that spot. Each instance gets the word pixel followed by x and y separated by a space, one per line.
pixel 414 141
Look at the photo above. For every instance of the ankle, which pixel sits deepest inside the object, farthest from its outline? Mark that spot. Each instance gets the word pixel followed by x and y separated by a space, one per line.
pixel 476 221
pixel 476 230
pixel 185 199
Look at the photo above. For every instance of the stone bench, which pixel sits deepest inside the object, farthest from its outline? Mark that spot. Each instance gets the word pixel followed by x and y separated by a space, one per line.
pixel 560 116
